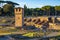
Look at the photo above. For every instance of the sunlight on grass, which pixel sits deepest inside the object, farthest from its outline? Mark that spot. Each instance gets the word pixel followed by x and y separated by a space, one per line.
pixel 33 34
pixel 3 20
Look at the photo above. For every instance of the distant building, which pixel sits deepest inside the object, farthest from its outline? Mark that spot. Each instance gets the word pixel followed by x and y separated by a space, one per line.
pixel 19 16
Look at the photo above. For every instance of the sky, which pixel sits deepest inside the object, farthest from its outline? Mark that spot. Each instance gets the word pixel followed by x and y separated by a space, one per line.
pixel 37 3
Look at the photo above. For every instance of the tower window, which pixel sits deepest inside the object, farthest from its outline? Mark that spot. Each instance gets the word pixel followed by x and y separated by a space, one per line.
pixel 19 9
pixel 16 9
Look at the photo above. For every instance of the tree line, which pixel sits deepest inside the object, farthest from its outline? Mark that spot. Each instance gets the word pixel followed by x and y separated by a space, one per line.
pixel 8 10
pixel 43 11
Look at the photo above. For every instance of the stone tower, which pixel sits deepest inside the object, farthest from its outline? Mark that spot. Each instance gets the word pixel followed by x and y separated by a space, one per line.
pixel 19 16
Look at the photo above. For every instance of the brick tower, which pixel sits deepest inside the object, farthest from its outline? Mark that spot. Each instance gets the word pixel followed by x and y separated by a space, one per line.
pixel 19 17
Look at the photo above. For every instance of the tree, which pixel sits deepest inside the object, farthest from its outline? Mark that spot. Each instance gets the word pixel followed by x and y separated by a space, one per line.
pixel 52 11
pixel 8 9
pixel 32 12
pixel 46 10
pixel 57 10
pixel 25 10
pixel 1 10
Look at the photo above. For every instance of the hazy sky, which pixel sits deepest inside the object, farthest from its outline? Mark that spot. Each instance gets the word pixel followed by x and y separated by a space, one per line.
pixel 37 3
